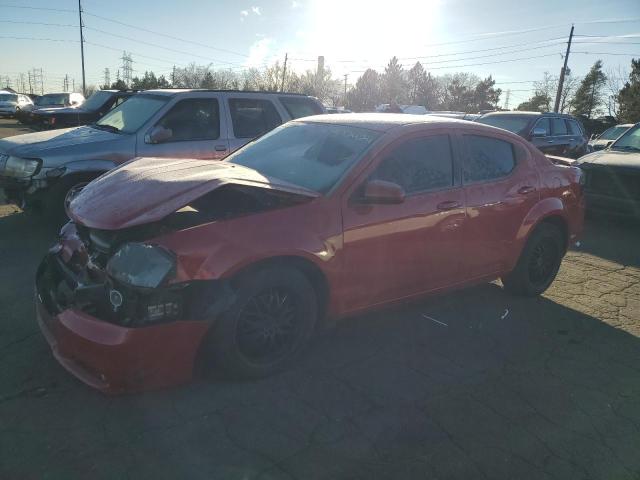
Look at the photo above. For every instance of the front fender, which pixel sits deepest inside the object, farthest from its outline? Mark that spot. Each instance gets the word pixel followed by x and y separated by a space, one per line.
pixel 84 166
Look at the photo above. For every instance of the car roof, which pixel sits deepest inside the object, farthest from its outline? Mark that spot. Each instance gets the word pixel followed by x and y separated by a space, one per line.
pixel 177 91
pixel 525 113
pixel 383 122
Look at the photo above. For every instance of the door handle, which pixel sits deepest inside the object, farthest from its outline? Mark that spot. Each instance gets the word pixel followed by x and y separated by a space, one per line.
pixel 448 205
pixel 526 190
pixel 221 148
pixel 549 141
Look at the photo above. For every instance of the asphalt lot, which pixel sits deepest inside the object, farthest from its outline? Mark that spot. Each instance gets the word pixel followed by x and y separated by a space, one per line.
pixel 498 388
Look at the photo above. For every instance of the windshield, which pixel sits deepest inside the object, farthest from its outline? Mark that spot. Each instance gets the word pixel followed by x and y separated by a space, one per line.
pixel 629 141
pixel 8 97
pixel 96 100
pixel 311 155
pixel 53 99
pixel 129 116
pixel 515 124
pixel 612 133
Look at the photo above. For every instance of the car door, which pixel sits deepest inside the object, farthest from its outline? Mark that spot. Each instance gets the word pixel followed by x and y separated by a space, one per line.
pixel 195 131
pixel 545 142
pixel 501 186
pixel 394 251
pixel 250 116
pixel 561 137
pixel 577 141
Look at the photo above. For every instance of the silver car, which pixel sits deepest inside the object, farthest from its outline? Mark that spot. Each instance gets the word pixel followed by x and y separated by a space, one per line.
pixel 39 169
pixel 12 103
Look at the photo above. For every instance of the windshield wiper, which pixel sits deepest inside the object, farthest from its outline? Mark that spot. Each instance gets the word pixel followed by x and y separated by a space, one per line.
pixel 108 128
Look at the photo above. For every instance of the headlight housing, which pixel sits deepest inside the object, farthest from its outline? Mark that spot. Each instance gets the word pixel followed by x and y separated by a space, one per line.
pixel 141 265
pixel 20 167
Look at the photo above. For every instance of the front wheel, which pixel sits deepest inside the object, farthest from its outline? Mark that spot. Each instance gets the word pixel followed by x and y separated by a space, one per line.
pixel 538 264
pixel 272 318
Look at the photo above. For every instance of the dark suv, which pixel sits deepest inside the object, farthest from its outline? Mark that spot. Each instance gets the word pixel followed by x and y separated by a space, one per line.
pixel 553 133
pixel 90 111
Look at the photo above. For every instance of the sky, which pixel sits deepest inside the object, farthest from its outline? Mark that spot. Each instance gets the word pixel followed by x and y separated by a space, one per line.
pixel 516 42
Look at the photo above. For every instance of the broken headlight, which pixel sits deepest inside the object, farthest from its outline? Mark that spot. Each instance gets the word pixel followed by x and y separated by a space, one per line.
pixel 141 265
pixel 20 167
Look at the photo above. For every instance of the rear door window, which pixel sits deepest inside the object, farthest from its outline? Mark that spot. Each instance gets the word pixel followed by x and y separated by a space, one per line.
pixel 298 107
pixel 252 117
pixel 488 159
pixel 573 127
pixel 544 123
pixel 419 165
pixel 193 119
pixel 559 127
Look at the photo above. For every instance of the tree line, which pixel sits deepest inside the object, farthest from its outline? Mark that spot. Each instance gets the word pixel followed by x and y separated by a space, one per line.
pixel 596 94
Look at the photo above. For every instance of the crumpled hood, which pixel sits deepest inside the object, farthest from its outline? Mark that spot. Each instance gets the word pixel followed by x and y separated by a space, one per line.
pixel 612 158
pixel 39 144
pixel 145 190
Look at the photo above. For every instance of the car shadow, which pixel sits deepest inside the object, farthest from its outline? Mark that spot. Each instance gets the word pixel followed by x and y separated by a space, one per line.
pixel 612 238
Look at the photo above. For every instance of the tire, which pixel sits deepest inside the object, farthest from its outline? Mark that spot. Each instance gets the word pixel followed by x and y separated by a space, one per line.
pixel 54 208
pixel 538 264
pixel 274 305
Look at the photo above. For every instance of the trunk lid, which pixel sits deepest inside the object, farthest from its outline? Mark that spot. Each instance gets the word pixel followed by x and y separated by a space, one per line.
pixel 145 190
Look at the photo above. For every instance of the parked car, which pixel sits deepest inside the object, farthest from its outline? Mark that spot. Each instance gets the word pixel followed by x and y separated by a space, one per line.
pixel 612 177
pixel 230 266
pixel 40 168
pixel 90 111
pixel 336 110
pixel 12 103
pixel 553 133
pixel 50 100
pixel 606 138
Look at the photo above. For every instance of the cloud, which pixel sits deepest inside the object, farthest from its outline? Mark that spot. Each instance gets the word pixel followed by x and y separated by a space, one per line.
pixel 256 10
pixel 243 14
pixel 295 4
pixel 259 51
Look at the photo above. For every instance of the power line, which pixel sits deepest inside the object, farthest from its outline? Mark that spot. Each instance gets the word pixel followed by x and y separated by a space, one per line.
pixel 38 23
pixel 40 39
pixel 611 53
pixel 38 8
pixel 483 63
pixel 182 52
pixel 165 35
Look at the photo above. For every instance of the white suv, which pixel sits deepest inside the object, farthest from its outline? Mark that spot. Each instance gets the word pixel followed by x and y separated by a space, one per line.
pixel 12 103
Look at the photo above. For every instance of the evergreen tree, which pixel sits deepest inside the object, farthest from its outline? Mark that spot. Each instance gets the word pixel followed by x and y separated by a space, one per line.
pixel 588 96
pixel 629 96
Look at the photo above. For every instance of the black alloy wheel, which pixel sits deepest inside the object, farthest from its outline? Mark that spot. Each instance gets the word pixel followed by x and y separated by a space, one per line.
pixel 542 261
pixel 266 328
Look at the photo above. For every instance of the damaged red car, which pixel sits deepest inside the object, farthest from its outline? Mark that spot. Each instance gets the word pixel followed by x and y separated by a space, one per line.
pixel 173 266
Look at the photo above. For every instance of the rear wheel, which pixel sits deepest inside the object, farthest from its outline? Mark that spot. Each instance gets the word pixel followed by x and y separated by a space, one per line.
pixel 539 262
pixel 272 318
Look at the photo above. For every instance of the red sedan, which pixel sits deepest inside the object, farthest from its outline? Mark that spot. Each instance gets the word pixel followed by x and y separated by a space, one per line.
pixel 173 264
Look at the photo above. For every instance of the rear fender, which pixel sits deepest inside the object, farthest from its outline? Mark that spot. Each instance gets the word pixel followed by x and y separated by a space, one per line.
pixel 545 208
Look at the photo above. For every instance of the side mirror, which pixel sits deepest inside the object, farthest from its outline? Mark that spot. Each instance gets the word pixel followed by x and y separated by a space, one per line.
pixel 539 132
pixel 158 134
pixel 609 143
pixel 379 191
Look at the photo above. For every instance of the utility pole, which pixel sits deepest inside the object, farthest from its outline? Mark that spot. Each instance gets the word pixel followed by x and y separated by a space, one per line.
pixel 506 100
pixel 345 89
pixel 84 86
pixel 41 82
pixel 173 77
pixel 66 83
pixel 562 72
pixel 30 87
pixel 107 78
pixel 284 71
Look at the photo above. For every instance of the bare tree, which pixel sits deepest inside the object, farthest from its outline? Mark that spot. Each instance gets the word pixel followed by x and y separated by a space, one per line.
pixel 616 78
